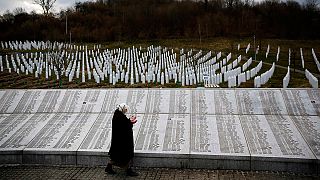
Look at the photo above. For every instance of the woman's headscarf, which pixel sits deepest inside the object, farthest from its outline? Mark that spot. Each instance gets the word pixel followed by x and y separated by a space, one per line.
pixel 121 107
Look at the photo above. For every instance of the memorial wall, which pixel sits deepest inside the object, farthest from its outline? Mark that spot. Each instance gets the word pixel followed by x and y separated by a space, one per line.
pixel 266 123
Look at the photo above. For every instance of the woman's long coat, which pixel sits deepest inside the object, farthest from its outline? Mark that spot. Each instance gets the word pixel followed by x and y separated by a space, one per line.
pixel 122 147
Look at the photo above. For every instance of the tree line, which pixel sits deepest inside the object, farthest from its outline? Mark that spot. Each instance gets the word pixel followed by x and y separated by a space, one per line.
pixel 117 20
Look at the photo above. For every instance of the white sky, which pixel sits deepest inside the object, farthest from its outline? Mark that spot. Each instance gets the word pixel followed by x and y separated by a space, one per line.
pixel 29 6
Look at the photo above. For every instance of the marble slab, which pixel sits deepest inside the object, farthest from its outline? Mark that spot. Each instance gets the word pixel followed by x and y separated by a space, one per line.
pixel 168 101
pixel 298 102
pixel 99 136
pixel 163 134
pixel 217 135
pixel 90 101
pixel 71 101
pixel 10 100
pixel 19 129
pixel 249 129
pixel 274 136
pixel 49 103
pixel 218 142
pixel 272 102
pixel 98 139
pixel 10 124
pixel 64 132
pixel 202 101
pixel 2 92
pixel 136 99
pixel 314 95
pixel 225 102
pixel 248 102
pixel 309 127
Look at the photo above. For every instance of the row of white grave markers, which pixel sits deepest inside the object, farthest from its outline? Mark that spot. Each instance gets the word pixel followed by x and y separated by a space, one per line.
pixel 286 79
pixel 264 77
pixel 130 65
pixel 41 63
pixel 312 79
pixel 254 71
pixel 248 48
pixel 315 59
pixel 237 78
pixel 278 53
pixel 289 60
pixel 99 71
pixel 28 45
pixel 226 71
pixel 302 59
pixel 267 53
pixel 246 64
pixel 1 64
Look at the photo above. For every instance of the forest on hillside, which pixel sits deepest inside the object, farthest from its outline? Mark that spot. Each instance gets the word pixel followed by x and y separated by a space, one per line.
pixel 117 20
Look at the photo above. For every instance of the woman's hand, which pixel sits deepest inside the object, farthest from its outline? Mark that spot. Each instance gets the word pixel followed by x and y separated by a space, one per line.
pixel 133 119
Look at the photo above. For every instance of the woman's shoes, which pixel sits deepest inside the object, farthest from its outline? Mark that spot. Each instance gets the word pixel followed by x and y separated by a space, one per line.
pixel 109 169
pixel 129 172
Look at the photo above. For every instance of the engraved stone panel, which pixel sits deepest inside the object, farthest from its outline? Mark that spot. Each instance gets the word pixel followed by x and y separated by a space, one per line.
pixel 9 125
pixel 225 102
pixel 168 101
pixel 135 98
pixel 272 102
pixel 24 132
pixel 298 102
pixel 202 102
pixel 72 101
pixel 50 101
pixel 10 100
pixel 30 101
pixel 217 135
pixel 288 138
pixel 162 133
pixel 248 102
pixel 309 126
pixel 93 101
pixel 63 132
pixel 314 96
pixel 2 92
pixel 258 137
pixel 99 136
pixel 274 136
pixel 110 100
pixel 277 127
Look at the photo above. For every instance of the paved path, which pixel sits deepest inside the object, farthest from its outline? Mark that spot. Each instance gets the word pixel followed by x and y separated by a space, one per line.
pixel 72 172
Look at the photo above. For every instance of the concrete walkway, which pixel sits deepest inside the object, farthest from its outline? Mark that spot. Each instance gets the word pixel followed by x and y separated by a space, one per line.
pixel 72 172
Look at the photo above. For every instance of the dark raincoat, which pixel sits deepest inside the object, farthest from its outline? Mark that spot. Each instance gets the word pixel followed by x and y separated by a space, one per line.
pixel 122 148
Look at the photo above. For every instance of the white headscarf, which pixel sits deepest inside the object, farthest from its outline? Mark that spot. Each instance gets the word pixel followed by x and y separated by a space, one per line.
pixel 121 107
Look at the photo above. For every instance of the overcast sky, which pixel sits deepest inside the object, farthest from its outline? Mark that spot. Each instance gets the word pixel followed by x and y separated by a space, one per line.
pixel 29 6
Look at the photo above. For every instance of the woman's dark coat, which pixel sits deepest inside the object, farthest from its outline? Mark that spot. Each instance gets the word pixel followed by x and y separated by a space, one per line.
pixel 122 148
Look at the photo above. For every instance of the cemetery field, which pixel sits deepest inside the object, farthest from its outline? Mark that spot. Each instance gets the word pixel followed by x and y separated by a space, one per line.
pixel 172 63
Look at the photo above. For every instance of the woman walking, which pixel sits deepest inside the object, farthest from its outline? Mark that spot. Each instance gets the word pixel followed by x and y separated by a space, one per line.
pixel 122 147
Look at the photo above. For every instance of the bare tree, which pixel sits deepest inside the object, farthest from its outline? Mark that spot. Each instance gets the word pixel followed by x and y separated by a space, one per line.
pixel 312 4
pixel 19 10
pixel 46 5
